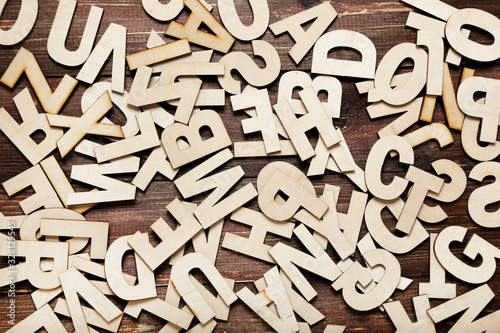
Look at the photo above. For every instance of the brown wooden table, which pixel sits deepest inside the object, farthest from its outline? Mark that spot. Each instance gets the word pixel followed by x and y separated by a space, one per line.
pixel 383 22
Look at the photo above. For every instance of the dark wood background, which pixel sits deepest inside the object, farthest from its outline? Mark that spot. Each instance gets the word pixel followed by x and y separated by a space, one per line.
pixel 383 22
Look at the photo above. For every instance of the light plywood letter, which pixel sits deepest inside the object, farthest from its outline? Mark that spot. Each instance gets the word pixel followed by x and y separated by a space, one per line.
pixel 113 40
pixel 113 268
pixel 44 195
pixel 423 182
pixel 248 69
pixel 56 47
pixel 473 302
pixel 97 232
pixel 113 189
pixel 263 122
pixel 381 233
pixel 75 285
pixel 352 40
pixel 187 290
pixel 319 262
pixel 86 124
pixel 220 40
pixel 402 322
pixel 488 109
pixel 375 162
pixel 214 208
pixel 437 286
pixel 20 135
pixel 476 246
pixel 171 240
pixel 23 24
pixel 274 293
pixel 468 48
pixel 25 62
pixel 435 47
pixel 41 318
pixel 260 224
pixel 485 195
pixel 229 16
pixel 357 274
pixel 388 66
pixel 197 146
pixel 323 15
pixel 31 269
pixel 162 11
pixel 146 140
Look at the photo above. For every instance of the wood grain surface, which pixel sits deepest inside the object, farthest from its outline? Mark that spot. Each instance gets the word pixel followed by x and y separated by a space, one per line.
pixel 383 22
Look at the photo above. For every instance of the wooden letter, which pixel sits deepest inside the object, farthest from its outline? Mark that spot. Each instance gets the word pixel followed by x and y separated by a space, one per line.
pixel 41 318
pixel 32 121
pixel 319 263
pixel 411 115
pixel 161 309
pixel 315 118
pixel 44 195
pixel 229 16
pixel 74 285
pixel 435 8
pixel 385 238
pixel 213 208
pixel 264 122
pixel 486 195
pixel 435 45
pixel 197 146
pixel 25 62
pixel 254 246
pixel 323 15
pixel 61 184
pixel 388 66
pixel 403 323
pixel 147 139
pixel 171 240
pixel 92 317
pixel 30 229
pixel 329 225
pixel 119 100
pixel 469 139
pixel 298 196
pixel 468 48
pixel 96 231
pixel 156 163
pixel 423 182
pixel 220 40
pixel 187 290
pixel 425 23
pixel 352 40
pixel 158 54
pixel 113 268
pixel 375 162
pixel 86 124
pixel 476 246
pixel 488 109
pixel 114 40
pixel 23 24
pixel 298 79
pixel 357 274
pixel 437 286
pixel 245 65
pixel 473 302
pixel 30 270
pixel 274 292
pixel 56 47
pixel 113 189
